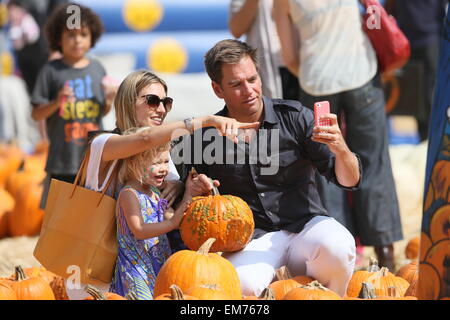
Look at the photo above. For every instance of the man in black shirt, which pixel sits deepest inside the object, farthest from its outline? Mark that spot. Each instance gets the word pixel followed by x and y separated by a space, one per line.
pixel 273 171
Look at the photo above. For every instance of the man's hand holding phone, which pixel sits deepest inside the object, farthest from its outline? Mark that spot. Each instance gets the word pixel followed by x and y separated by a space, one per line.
pixel 326 129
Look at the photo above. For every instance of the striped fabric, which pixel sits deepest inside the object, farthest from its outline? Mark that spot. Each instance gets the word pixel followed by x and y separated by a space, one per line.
pixel 139 261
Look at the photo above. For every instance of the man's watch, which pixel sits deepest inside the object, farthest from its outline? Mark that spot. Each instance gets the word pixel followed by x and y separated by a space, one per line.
pixel 189 125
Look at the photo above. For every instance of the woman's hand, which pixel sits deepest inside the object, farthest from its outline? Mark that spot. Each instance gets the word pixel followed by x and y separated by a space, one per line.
pixel 229 127
pixel 170 190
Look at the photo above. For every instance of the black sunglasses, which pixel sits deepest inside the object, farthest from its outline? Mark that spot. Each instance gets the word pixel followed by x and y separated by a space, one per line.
pixel 153 101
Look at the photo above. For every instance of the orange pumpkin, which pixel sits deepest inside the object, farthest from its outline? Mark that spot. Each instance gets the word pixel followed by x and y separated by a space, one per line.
pixel 6 292
pixel 30 288
pixel 10 160
pixel 175 294
pixel 412 248
pixel 98 295
pixel 188 269
pixel 209 292
pixel 26 217
pixel 355 285
pixel 409 272
pixel 393 294
pixel 7 204
pixel 22 179
pixel 311 291
pixel 228 219
pixel 286 283
pixel 56 282
pixel 266 294
pixel 383 279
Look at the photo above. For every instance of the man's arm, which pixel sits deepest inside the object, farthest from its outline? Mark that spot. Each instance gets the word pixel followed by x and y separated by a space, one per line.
pixel 241 21
pixel 346 165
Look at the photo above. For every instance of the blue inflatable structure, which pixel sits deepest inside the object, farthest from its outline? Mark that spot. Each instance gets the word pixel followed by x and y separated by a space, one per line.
pixel 164 35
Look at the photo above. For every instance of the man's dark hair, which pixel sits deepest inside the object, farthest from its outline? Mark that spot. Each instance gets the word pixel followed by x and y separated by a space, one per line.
pixel 57 23
pixel 229 51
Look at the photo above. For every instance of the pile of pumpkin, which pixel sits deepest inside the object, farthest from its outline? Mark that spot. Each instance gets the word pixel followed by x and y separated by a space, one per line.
pixel 211 225
pixel 21 175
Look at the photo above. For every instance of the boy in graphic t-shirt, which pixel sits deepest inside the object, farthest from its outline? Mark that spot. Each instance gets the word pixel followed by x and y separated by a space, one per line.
pixel 69 93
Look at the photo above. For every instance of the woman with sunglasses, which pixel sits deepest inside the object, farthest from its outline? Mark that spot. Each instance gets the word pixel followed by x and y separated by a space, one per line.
pixel 142 101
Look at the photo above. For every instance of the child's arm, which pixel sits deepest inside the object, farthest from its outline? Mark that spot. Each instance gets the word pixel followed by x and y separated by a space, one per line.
pixel 43 111
pixel 129 203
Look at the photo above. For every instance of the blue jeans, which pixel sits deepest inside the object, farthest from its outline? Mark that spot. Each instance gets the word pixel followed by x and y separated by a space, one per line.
pixel 373 214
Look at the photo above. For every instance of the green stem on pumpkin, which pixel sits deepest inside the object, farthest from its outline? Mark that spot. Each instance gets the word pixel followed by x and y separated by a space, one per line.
pixel 267 294
pixel 367 291
pixel 20 274
pixel 93 291
pixel 176 293
pixel 206 246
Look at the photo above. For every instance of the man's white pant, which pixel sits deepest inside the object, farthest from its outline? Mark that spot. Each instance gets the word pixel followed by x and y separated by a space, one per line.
pixel 323 250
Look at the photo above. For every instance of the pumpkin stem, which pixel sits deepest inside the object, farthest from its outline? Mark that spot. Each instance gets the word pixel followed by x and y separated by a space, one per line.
pixel 176 293
pixel 20 274
pixel 373 265
pixel 283 273
pixel 93 291
pixel 267 294
pixel 384 271
pixel 206 246
pixel 313 285
pixel 367 291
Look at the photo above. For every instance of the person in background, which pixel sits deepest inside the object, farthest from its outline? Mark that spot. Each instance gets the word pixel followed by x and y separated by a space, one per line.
pixel 254 19
pixel 336 62
pixel 69 94
pixel 422 22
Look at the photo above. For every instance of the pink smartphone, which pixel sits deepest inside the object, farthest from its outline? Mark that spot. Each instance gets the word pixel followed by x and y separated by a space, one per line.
pixel 321 108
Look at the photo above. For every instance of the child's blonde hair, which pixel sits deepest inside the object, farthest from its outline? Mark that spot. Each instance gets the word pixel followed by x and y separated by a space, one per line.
pixel 134 167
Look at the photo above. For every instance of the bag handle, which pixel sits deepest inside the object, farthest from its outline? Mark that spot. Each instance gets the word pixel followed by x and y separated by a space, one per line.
pixel 82 172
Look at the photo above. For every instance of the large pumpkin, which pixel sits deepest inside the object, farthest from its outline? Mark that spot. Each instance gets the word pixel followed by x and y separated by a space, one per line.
pixel 26 217
pixel 412 248
pixel 10 160
pixel 6 292
pixel 30 288
pixel 382 280
pixel 312 291
pixel 355 285
pixel 286 283
pixel 228 219
pixel 56 282
pixel 7 204
pixel 429 285
pixel 188 268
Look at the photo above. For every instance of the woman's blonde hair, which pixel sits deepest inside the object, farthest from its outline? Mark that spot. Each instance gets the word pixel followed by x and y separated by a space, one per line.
pixel 134 167
pixel 127 94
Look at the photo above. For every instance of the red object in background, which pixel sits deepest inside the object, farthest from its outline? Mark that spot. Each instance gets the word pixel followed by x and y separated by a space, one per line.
pixel 390 43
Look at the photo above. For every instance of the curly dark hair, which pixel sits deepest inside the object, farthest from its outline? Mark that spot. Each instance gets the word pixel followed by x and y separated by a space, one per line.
pixel 57 23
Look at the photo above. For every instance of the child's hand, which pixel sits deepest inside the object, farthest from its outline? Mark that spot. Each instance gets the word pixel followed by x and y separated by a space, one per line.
pixel 65 94
pixel 179 214
pixel 168 214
